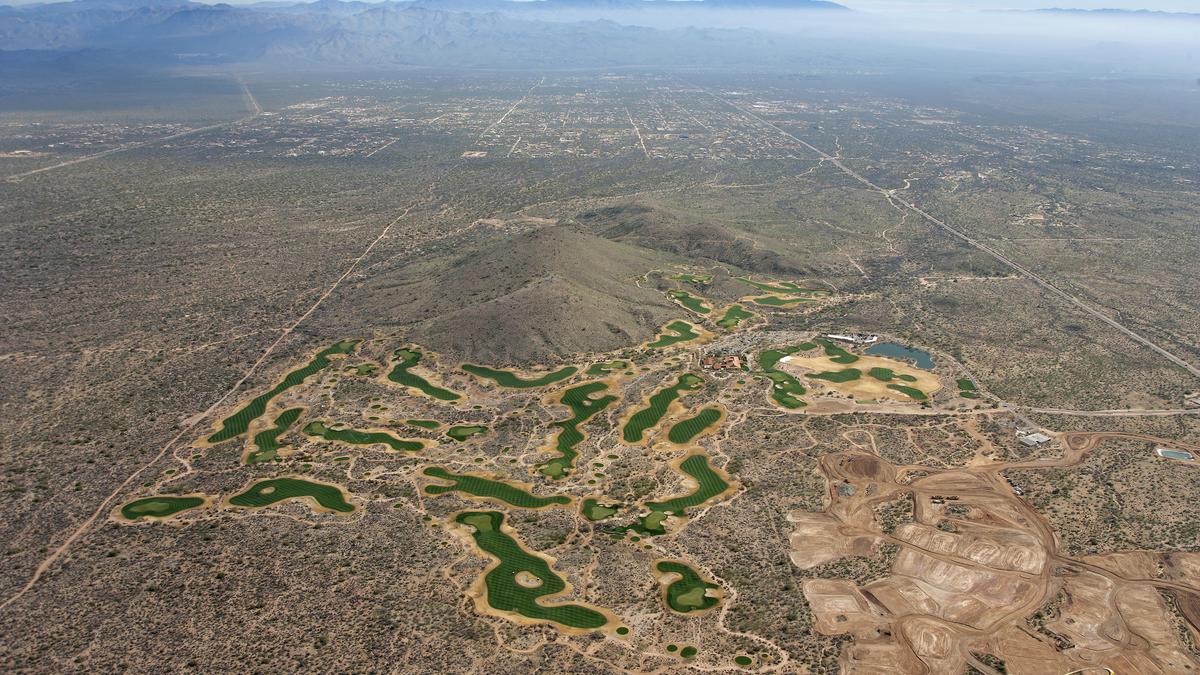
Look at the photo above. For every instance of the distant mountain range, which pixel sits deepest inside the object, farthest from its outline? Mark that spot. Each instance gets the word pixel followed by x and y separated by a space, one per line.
pixel 421 32
pixel 1147 13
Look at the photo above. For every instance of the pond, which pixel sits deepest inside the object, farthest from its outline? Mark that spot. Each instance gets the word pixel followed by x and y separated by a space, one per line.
pixel 897 351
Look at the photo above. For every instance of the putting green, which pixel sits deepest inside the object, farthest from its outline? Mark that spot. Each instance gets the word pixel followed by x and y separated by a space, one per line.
pixel 647 417
pixel 237 423
pixel 159 507
pixel 502 587
pixel 674 333
pixel 488 488
pixel 578 400
pixel 684 590
pixel 406 359
pixel 268 492
pixel 734 316
pixel 356 437
pixel 462 432
pixel 689 301
pixel 703 421
pixel 266 443
pixel 507 378
pixel 424 424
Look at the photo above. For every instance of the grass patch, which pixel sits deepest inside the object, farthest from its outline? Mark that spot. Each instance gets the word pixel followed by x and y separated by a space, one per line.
pixel 159 507
pixel 847 375
pixel 266 442
pixel 605 368
pixel 674 333
pixel 689 301
pixel 237 423
pixel 489 489
pixel 406 359
pixel 911 392
pixel 836 353
pixel 268 492
pixel 647 417
pixel 785 389
pixel 356 437
pixel 503 591
pixel 462 432
pixel 582 406
pixel 734 316
pixel 684 431
pixel 689 592
pixel 506 378
pixel 593 510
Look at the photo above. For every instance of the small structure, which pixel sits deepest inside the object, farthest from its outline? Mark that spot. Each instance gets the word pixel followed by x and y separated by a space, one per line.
pixel 721 362
pixel 854 338
pixel 1035 439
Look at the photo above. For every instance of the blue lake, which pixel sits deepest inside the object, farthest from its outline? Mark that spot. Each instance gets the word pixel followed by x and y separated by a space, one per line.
pixel 894 351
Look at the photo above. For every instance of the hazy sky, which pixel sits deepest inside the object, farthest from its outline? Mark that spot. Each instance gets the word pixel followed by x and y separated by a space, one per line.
pixel 968 5
pixel 909 5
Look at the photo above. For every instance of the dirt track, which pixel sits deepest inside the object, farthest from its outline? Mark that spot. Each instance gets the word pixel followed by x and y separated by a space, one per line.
pixel 975 562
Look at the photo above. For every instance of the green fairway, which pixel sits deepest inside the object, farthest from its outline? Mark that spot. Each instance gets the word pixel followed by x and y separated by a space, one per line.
pixel 267 492
pixel 505 593
pixel 684 431
pixel 688 593
pixel 407 358
pixel 424 424
pixel 266 442
pixel 709 485
pixel 649 416
pixel 847 375
pixel 682 332
pixel 509 379
pixel 593 510
pixel 911 392
pixel 159 507
pixel 237 423
pixel 785 389
pixel 462 432
pixel 776 301
pixel 583 407
pixel 489 489
pixel 356 437
pixel 605 368
pixel 782 287
pixel 689 301
pixel 734 316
